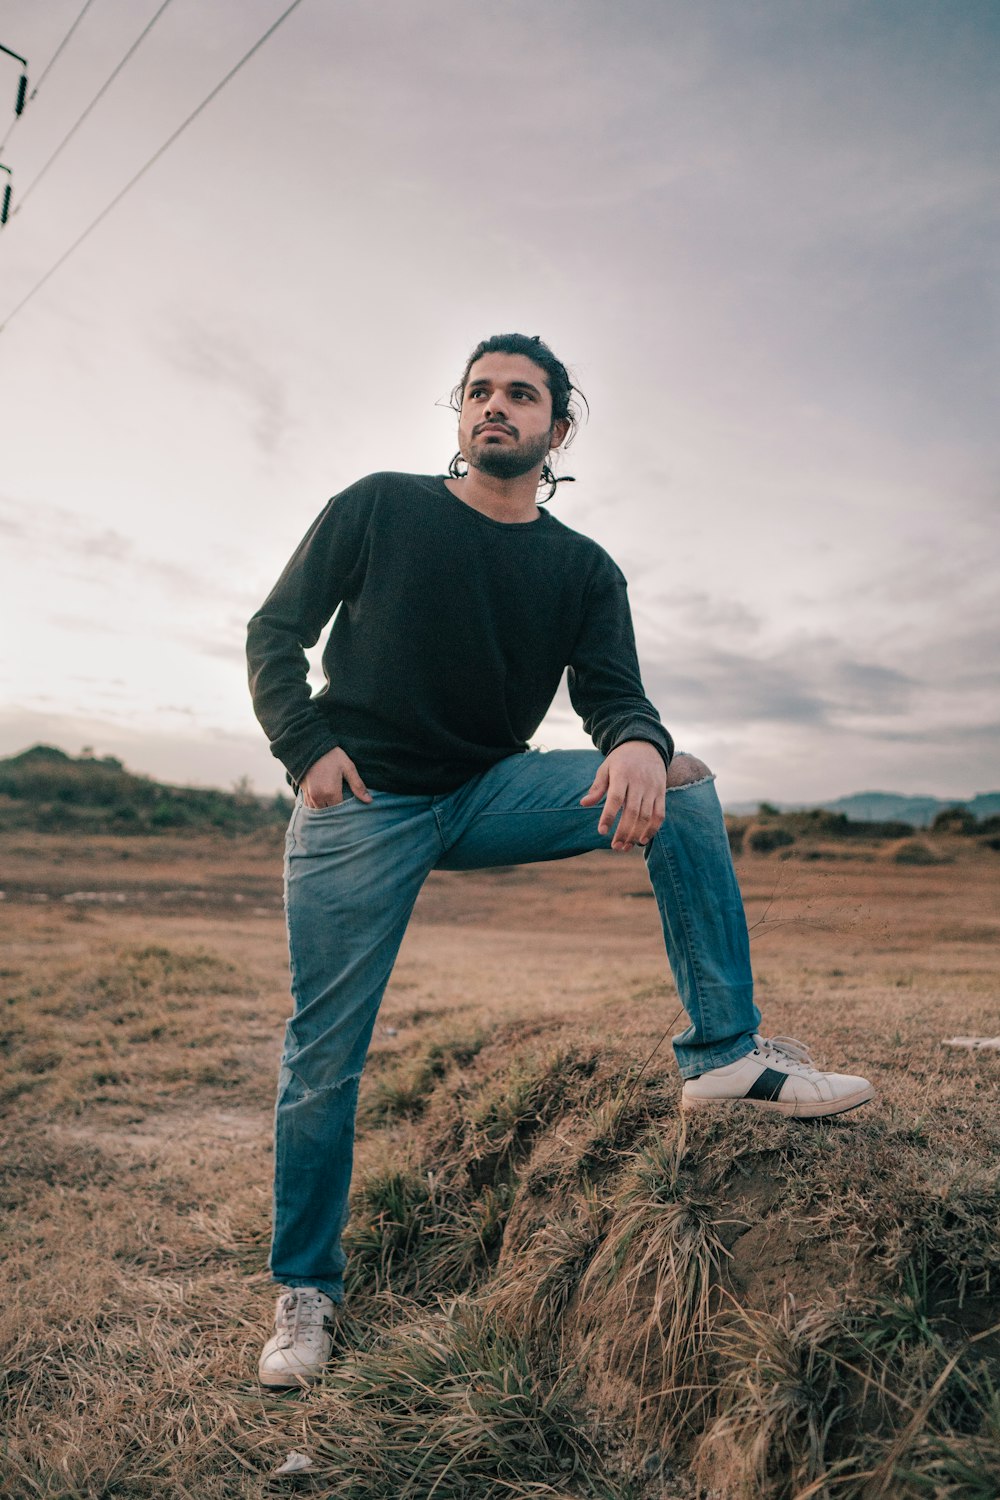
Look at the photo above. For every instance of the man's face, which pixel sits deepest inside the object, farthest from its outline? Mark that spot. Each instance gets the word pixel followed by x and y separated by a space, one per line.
pixel 505 426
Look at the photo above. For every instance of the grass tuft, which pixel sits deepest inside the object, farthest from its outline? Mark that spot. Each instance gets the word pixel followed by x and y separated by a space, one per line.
pixel 653 1286
pixel 512 1107
pixel 403 1092
pixel 413 1235
pixel 786 1391
pixel 456 1407
pixel 544 1275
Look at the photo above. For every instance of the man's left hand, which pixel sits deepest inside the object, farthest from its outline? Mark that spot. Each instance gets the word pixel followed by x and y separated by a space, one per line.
pixel 631 780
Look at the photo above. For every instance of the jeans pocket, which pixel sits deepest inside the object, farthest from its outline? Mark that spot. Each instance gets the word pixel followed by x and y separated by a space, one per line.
pixel 332 808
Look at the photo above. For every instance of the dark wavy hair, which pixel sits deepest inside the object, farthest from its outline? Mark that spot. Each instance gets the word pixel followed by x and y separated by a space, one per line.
pixel 565 405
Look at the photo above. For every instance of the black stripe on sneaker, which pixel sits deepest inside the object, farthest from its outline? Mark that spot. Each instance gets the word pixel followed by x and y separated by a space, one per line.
pixel 768 1086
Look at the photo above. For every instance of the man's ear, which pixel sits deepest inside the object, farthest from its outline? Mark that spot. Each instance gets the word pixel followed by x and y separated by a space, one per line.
pixel 559 431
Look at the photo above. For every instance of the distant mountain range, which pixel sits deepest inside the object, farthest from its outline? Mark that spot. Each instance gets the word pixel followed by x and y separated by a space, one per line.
pixel 884 807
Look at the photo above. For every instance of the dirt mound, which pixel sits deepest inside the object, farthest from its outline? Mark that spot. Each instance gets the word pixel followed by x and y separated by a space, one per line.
pixel 768 1301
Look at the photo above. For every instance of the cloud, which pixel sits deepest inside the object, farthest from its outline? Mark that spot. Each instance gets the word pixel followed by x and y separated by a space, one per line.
pixel 59 535
pixel 225 650
pixel 79 624
pixel 976 734
pixel 698 610
pixel 218 357
pixel 961 660
pixel 862 687
pixel 107 543
pixel 808 683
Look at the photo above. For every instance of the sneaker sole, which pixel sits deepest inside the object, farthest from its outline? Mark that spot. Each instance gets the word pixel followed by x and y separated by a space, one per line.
pixel 275 1382
pixel 802 1109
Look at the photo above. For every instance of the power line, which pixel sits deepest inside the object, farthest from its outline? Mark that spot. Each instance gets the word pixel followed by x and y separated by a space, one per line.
pixel 152 160
pixel 48 66
pixel 99 95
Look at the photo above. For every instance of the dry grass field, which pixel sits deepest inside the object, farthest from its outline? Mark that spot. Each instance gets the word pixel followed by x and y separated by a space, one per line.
pixel 556 1289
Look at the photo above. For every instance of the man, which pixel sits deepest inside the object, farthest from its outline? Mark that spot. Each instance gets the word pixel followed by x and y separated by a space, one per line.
pixel 459 603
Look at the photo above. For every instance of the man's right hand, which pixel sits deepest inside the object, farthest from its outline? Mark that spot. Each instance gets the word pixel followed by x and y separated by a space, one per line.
pixel 323 783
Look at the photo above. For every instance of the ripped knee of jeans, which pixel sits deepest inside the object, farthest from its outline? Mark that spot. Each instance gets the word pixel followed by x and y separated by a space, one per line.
pixel 687 770
pixel 294 1089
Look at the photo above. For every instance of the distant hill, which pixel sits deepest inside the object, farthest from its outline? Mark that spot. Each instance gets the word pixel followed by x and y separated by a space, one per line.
pixel 885 807
pixel 46 789
pixel 873 807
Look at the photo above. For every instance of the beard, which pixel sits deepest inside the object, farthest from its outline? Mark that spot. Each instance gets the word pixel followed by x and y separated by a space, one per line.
pixel 505 462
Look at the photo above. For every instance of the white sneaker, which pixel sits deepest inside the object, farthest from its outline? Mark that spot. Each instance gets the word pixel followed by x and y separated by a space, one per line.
pixel 777 1075
pixel 302 1343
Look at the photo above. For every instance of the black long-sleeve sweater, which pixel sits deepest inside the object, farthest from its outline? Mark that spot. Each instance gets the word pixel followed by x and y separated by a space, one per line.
pixel 450 637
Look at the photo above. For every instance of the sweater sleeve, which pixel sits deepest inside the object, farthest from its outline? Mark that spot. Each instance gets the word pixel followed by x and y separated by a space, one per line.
pixel 605 687
pixel 306 596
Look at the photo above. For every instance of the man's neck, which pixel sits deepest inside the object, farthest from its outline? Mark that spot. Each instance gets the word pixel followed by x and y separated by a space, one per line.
pixel 507 500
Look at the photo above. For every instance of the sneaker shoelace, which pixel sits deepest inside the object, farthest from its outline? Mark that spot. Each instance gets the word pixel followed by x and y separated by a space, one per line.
pixel 300 1318
pixel 788 1050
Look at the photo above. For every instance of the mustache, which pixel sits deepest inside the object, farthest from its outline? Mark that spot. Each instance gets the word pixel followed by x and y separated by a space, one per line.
pixel 504 427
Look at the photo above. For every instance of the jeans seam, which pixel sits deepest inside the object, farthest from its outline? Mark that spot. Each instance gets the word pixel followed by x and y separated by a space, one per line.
pixel 529 812
pixel 678 893
pixel 439 825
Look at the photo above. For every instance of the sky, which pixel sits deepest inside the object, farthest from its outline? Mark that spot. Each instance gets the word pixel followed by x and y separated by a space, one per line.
pixel 761 233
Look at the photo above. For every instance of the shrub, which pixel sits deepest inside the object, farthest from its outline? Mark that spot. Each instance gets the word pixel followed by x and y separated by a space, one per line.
pixel 881 830
pixel 955 820
pixel 916 852
pixel 763 839
pixel 833 825
pixel 735 831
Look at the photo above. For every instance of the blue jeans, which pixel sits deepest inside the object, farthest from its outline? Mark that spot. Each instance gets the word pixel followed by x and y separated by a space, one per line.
pixel 352 875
